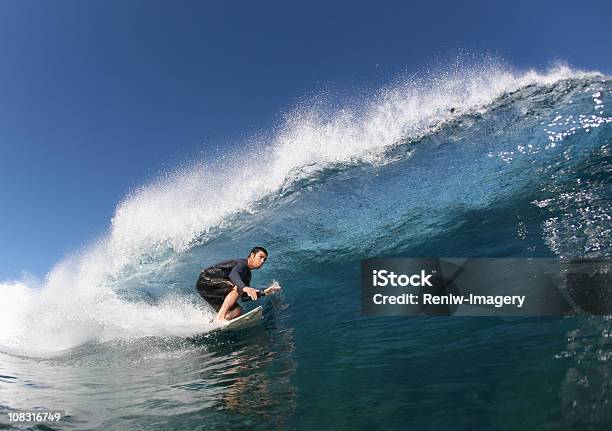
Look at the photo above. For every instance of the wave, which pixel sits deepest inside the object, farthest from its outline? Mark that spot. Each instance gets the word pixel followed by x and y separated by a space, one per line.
pixel 94 295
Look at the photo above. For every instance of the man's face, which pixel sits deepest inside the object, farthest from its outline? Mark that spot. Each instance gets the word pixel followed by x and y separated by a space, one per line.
pixel 256 260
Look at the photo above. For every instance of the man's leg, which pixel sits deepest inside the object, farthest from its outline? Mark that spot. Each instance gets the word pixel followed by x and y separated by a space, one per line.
pixel 234 313
pixel 215 293
pixel 228 303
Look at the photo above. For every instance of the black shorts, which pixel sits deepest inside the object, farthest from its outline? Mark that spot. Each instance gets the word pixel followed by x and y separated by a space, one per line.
pixel 214 290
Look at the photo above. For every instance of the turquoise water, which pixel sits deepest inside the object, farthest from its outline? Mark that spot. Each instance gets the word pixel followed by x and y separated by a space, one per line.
pixel 117 337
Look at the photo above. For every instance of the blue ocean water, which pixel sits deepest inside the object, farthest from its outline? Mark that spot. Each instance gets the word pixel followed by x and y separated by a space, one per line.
pixel 474 162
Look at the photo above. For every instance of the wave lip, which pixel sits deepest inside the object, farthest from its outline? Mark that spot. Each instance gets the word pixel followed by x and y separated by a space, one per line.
pixel 180 207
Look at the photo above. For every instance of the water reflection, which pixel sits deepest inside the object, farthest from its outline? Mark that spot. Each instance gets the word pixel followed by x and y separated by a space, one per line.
pixel 218 380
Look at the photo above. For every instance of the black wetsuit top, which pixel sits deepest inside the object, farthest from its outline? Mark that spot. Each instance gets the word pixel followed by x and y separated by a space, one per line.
pixel 216 281
pixel 235 270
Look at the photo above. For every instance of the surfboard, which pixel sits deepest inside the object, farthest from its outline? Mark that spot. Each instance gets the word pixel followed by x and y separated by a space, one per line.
pixel 247 320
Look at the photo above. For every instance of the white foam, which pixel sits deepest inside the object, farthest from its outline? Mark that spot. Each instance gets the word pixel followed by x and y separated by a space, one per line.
pixel 47 321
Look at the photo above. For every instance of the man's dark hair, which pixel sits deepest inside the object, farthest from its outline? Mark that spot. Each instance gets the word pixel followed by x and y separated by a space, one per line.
pixel 256 249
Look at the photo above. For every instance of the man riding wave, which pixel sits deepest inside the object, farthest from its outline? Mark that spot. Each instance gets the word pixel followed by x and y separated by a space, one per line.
pixel 223 283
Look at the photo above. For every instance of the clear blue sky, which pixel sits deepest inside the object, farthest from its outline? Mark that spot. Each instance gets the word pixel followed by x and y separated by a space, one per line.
pixel 97 97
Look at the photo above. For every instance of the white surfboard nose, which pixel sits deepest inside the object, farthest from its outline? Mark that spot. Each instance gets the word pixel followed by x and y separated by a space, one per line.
pixel 244 321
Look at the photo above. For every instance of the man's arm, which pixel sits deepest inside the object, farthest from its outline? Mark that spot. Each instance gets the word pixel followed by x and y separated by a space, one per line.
pixel 240 276
pixel 260 293
pixel 236 277
pixel 264 292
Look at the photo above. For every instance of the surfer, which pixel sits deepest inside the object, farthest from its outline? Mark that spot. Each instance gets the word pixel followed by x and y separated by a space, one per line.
pixel 223 283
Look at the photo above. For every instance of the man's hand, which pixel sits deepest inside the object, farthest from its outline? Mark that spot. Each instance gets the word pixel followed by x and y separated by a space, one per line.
pixel 272 289
pixel 251 292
